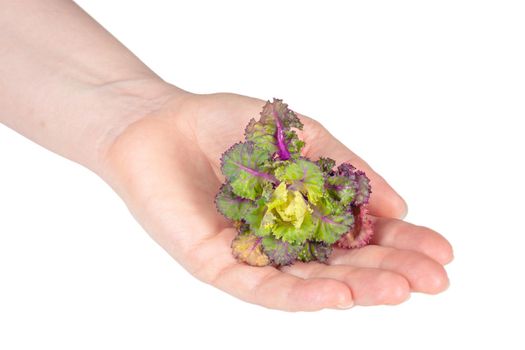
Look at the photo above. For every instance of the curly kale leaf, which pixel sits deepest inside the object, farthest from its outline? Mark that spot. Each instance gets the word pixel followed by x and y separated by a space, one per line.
pixel 293 143
pixel 312 251
pixel 293 234
pixel 259 219
pixel 272 132
pixel 304 176
pixel 286 215
pixel 363 190
pixel 342 188
pixel 284 206
pixel 331 220
pixel 232 206
pixel 361 232
pixel 281 253
pixel 245 167
pixel 248 248
pixel 325 164
pixel 360 182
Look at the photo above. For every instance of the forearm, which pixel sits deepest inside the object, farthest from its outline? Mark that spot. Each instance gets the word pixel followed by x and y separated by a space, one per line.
pixel 66 83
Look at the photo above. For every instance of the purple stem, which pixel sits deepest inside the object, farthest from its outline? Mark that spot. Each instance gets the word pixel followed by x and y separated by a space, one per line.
pixel 255 244
pixel 284 154
pixel 325 218
pixel 337 187
pixel 254 172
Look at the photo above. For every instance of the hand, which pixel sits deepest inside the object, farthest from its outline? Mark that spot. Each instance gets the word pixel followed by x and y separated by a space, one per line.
pixel 166 168
pixel 72 94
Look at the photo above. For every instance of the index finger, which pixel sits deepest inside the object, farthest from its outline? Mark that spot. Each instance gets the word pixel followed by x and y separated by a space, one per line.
pixel 384 200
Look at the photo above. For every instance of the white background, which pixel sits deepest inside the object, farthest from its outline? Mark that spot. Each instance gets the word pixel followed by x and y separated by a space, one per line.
pixel 430 93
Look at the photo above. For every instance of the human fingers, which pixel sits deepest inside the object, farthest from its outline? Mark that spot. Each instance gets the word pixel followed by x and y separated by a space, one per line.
pixel 422 273
pixel 406 236
pixel 384 200
pixel 369 286
pixel 213 263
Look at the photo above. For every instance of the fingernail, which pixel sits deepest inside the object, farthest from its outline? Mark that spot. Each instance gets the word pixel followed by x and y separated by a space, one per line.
pixel 405 212
pixel 345 306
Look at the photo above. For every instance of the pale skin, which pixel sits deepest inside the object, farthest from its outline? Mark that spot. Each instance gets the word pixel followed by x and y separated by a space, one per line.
pixel 70 86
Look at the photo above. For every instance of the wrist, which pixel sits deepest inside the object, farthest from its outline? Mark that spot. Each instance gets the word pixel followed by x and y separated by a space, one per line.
pixel 120 104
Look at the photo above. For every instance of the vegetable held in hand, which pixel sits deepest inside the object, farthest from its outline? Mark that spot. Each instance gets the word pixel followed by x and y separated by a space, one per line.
pixel 285 206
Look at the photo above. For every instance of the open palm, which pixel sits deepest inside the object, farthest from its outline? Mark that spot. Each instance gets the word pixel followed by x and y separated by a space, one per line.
pixel 166 168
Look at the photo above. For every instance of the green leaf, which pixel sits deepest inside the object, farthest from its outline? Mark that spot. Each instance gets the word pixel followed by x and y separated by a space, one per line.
pixel 279 109
pixel 341 188
pixel 231 205
pixel 295 145
pixel 262 134
pixel 331 220
pixel 260 223
pixel 247 186
pixel 241 226
pixel 272 131
pixel 292 234
pixel 280 253
pixel 245 166
pixel 290 205
pixel 267 190
pixel 315 251
pixel 287 215
pixel 279 197
pixel 360 181
pixel 247 248
pixel 325 164
pixel 304 176
pixel 243 157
